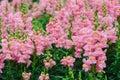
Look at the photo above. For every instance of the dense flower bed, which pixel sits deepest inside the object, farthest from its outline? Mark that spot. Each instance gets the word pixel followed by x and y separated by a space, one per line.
pixel 59 39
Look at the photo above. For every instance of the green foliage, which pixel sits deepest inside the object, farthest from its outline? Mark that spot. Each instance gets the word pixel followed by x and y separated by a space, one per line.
pixel 24 8
pixel 18 35
pixel 96 19
pixel 113 59
pixel 35 0
pixel 40 23
pixel 12 71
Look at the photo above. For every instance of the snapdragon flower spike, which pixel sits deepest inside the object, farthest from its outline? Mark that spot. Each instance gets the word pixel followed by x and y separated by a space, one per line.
pixel 50 6
pixel 2 64
pixel 4 34
pixel 26 76
pixel 68 61
pixel 17 50
pixel 86 66
pixel 49 63
pixel 41 43
pixel 44 77
pixel 58 29
pixel 57 34
pixel 16 3
pixel 5 50
pixel 13 20
pixel 101 63
pixel 29 24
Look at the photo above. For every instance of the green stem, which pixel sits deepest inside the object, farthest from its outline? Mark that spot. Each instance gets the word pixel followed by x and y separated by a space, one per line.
pixel 9 73
pixel 71 74
pixel 80 76
pixel 92 74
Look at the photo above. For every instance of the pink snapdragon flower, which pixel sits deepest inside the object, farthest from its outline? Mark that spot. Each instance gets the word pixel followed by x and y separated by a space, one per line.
pixel 86 66
pixel 44 77
pixel 49 63
pixel 16 2
pixel 15 22
pixel 101 63
pixel 68 61
pixel 41 43
pixel 49 5
pixel 117 10
pixel 26 76
pixel 4 32
pixel 78 52
pixel 17 50
pixel 2 64
pixel 111 34
pixel 29 23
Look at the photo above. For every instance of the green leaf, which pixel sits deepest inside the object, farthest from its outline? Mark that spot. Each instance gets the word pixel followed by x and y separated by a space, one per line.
pixel 100 74
pixel 118 74
pixel 24 8
pixel 118 19
pixel 80 76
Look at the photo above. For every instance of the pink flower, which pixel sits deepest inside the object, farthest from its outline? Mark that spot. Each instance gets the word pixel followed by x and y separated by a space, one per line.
pixel 4 32
pixel 111 34
pixel 92 59
pixel 78 52
pixel 68 61
pixel 26 76
pixel 43 4
pixel 16 2
pixel 88 48
pixel 28 23
pixel 36 14
pixel 90 41
pixel 28 63
pixel 49 63
pixel 100 65
pixel 86 66
pixel 17 50
pixel 68 44
pixel 78 40
pixel 22 59
pixel 41 43
pixel 60 42
pixel 100 46
pixel 2 64
pixel 44 77
pixel 8 56
pixel 47 5
pixel 109 20
pixel 117 10
pixel 15 22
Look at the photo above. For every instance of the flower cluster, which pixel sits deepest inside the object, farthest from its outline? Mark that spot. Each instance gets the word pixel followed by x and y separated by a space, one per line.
pixel 49 63
pixel 19 40
pixel 1 62
pixel 26 76
pixel 44 77
pixel 50 6
pixel 15 49
pixel 85 25
pixel 90 26
pixel 68 61
pixel 41 43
